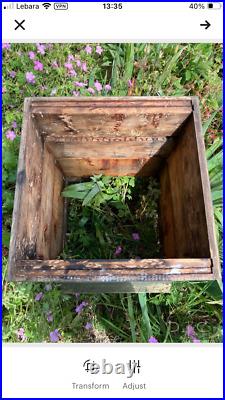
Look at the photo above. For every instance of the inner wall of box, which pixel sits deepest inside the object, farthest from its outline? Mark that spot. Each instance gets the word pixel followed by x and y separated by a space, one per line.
pixel 173 159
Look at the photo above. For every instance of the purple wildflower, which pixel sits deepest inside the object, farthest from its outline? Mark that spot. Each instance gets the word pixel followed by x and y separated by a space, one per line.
pixel 38 66
pixel 135 236
pixel 30 77
pixel 12 74
pixel 6 46
pixel 38 296
pixel 80 307
pixel 84 66
pixel 21 334
pixel 48 287
pixel 68 65
pixel 72 72
pixel 55 64
pixel 32 55
pixel 190 332
pixel 118 251
pixel 99 50
pixel 76 93
pixel 107 87
pixel 14 125
pixel 88 49
pixel 70 57
pixel 88 326
pixel 55 336
pixel 79 84
pixel 49 316
pixel 10 135
pixel 129 83
pixel 41 48
pixel 78 62
pixel 152 339
pixel 91 90
pixel 98 86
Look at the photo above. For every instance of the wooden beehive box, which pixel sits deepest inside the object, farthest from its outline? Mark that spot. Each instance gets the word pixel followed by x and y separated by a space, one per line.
pixel 64 138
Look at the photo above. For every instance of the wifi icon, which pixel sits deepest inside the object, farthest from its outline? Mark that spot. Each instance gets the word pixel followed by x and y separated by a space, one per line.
pixel 46 5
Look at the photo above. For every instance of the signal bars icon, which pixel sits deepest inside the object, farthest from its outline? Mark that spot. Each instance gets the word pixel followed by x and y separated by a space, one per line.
pixel 46 5
pixel 9 6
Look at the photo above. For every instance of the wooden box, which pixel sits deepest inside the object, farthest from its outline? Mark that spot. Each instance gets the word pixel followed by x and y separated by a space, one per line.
pixel 64 138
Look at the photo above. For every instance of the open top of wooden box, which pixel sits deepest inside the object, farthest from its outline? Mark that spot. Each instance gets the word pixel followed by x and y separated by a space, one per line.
pixel 67 138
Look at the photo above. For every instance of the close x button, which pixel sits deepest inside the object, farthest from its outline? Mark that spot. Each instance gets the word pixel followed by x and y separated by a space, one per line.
pixel 19 24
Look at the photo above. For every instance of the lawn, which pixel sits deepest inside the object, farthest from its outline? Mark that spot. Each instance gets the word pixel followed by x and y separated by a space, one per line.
pixel 191 312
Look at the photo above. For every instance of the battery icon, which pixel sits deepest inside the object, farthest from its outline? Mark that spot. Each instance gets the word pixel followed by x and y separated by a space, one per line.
pixel 214 6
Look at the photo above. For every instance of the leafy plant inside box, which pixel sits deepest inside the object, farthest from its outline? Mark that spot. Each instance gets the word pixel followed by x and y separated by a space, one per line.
pixel 112 217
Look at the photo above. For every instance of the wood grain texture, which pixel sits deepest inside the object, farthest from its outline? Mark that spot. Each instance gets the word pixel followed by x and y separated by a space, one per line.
pixel 57 220
pixel 69 148
pixel 107 117
pixel 50 232
pixel 26 216
pixel 114 270
pixel 183 217
pixel 207 197
pixel 85 167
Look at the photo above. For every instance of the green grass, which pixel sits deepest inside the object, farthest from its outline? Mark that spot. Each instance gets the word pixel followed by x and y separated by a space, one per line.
pixel 130 69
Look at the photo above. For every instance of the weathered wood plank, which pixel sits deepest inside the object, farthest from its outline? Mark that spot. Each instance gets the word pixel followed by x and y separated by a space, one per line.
pixel 26 217
pixel 46 206
pixel 154 101
pixel 134 149
pixel 57 220
pixel 183 218
pixel 114 270
pixel 207 197
pixel 106 116
pixel 84 167
pixel 106 125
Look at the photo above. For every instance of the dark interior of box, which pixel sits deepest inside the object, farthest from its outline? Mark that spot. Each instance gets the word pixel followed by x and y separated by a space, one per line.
pixel 82 142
